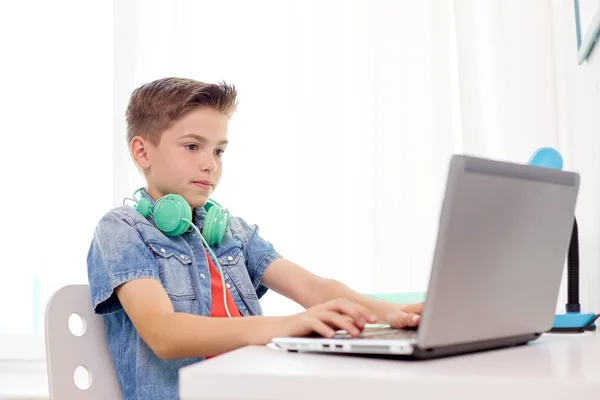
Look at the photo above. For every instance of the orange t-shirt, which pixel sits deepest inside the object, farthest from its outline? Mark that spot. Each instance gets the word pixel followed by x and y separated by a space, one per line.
pixel 217 308
pixel 216 291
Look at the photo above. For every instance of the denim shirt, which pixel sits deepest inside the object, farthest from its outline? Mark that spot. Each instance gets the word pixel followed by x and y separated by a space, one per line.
pixel 127 246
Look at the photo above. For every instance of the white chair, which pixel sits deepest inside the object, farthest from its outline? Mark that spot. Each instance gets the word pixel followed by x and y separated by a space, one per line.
pixel 67 352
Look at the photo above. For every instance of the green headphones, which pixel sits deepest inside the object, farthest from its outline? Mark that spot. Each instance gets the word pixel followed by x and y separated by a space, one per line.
pixel 173 216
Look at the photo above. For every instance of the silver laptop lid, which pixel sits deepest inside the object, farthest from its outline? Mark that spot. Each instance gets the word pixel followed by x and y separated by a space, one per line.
pixel 502 242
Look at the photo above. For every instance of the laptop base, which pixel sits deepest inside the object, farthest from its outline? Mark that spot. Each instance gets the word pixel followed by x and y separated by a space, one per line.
pixel 415 353
pixel 472 347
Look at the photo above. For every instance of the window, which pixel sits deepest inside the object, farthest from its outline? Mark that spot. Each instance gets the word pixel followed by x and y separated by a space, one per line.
pixel 57 97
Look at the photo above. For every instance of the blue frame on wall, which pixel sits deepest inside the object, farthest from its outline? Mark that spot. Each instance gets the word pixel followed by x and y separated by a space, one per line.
pixel 585 45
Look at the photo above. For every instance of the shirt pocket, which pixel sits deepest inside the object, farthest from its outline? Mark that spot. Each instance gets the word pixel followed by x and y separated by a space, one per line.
pixel 175 270
pixel 233 263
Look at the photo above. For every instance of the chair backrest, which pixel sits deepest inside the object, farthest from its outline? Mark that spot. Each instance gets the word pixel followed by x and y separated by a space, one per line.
pixel 66 352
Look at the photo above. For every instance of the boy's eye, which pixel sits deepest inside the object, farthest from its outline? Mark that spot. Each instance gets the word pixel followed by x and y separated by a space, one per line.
pixel 219 152
pixel 191 147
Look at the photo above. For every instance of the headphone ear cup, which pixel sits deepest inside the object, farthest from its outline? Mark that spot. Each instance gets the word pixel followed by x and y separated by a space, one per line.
pixel 170 215
pixel 215 224
pixel 143 207
pixel 209 223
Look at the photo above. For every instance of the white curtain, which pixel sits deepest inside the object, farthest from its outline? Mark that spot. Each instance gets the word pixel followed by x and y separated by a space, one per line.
pixel 347 118
pixel 349 112
pixel 55 157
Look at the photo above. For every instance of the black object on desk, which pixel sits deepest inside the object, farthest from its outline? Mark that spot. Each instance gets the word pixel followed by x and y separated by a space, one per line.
pixel 573 321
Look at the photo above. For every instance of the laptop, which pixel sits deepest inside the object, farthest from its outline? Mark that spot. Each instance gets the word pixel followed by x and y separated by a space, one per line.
pixel 503 235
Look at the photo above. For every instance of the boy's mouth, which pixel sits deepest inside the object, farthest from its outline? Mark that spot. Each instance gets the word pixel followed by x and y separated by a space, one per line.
pixel 203 184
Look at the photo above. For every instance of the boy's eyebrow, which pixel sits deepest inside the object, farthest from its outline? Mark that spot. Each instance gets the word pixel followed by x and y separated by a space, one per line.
pixel 201 139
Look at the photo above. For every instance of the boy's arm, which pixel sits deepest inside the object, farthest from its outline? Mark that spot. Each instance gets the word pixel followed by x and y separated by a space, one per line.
pixel 308 289
pixel 172 334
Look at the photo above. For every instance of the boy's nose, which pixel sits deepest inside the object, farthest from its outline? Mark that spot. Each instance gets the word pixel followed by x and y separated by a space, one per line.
pixel 209 165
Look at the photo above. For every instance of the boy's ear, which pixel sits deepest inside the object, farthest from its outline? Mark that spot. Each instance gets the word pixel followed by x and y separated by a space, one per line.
pixel 139 151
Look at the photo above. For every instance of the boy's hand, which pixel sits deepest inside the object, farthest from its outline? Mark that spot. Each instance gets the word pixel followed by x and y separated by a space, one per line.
pixel 403 315
pixel 328 317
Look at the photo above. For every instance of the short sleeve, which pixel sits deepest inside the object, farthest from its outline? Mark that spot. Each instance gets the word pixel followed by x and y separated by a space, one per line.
pixel 116 255
pixel 259 253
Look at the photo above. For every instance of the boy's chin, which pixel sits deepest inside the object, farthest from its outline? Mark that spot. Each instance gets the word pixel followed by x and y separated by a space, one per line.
pixel 197 201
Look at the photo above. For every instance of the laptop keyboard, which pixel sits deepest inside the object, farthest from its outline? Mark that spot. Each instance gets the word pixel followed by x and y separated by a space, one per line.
pixel 380 333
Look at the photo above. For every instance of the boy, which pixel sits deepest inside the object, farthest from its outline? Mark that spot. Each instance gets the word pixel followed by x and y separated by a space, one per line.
pixel 162 296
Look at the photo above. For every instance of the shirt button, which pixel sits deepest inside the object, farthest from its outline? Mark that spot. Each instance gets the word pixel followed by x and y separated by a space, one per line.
pixel 182 256
pixel 202 276
pixel 162 250
pixel 228 286
pixel 230 258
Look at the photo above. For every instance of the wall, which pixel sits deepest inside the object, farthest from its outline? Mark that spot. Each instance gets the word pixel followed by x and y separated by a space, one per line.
pixel 578 98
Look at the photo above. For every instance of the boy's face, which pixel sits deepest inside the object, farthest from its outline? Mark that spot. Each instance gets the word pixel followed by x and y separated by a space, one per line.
pixel 188 159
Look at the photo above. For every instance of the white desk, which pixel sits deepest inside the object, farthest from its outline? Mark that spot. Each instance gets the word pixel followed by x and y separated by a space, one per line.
pixel 556 366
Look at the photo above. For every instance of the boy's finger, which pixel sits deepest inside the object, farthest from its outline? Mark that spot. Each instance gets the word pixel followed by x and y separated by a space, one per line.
pixel 416 308
pixel 340 322
pixel 359 313
pixel 403 319
pixel 321 328
pixel 413 319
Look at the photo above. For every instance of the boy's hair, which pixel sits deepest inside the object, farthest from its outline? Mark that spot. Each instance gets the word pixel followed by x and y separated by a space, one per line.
pixel 153 106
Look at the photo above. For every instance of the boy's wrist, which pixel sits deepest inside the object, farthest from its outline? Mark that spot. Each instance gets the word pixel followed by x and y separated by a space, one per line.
pixel 264 329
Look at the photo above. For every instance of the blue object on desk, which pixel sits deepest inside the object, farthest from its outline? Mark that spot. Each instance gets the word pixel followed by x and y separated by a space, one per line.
pixel 573 321
pixel 546 157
